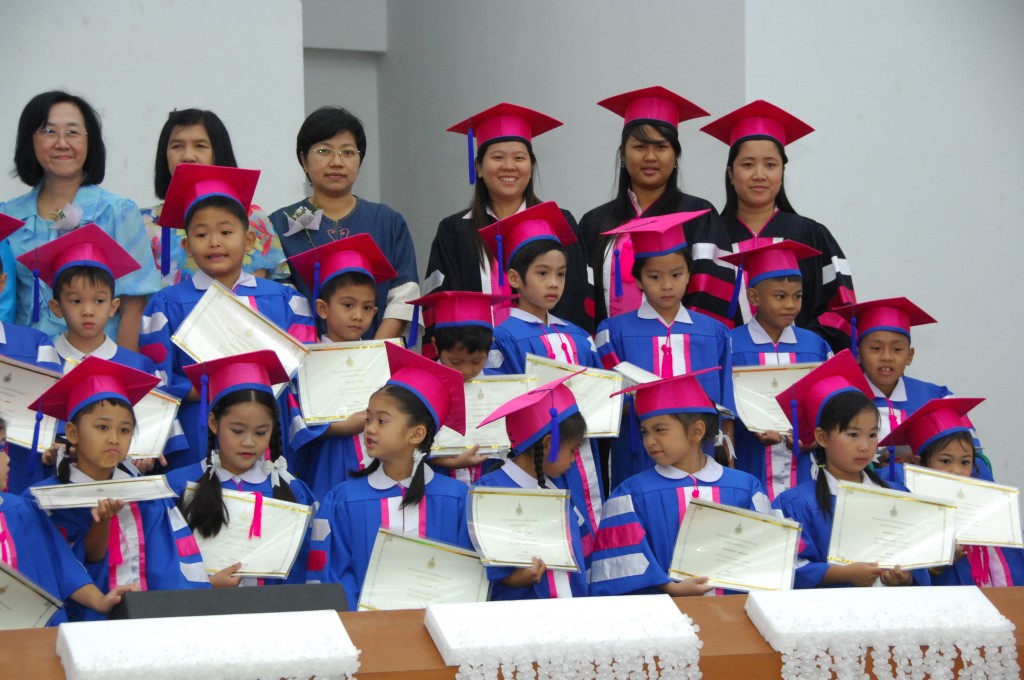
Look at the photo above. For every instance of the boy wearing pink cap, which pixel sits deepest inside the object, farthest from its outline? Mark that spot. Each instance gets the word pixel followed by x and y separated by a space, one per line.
pixel 209 203
pixel 775 290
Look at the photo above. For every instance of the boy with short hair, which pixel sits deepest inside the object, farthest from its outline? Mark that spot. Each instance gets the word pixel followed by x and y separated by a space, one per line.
pixel 775 289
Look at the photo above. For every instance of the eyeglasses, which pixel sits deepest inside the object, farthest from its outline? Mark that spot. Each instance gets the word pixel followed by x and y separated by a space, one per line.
pixel 70 136
pixel 326 152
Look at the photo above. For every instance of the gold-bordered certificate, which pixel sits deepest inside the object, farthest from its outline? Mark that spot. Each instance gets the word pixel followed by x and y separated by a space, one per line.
pixel 735 548
pixel 872 524
pixel 154 420
pixel 986 513
pixel 20 385
pixel 509 527
pixel 755 389
pixel 408 572
pixel 483 396
pixel 592 388
pixel 336 379
pixel 23 604
pixel 88 494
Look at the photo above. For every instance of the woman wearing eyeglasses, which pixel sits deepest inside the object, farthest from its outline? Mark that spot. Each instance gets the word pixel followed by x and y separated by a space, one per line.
pixel 60 153
pixel 330 148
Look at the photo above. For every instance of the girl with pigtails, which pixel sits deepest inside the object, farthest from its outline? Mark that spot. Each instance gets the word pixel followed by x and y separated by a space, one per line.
pixel 396 491
pixel 244 453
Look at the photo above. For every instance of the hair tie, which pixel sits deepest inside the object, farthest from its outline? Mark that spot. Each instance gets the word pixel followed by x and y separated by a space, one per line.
pixel 417 460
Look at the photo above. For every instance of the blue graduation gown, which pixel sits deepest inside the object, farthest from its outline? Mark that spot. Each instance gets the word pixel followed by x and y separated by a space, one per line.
pixel 751 346
pixel 346 524
pixel 510 476
pixel 29 542
pixel 522 333
pixel 640 523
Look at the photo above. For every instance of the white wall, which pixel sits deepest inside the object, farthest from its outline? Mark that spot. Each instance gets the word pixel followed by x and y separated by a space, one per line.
pixel 134 62
pixel 916 168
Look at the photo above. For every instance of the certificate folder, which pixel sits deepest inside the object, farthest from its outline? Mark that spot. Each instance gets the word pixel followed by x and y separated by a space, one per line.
pixel 509 527
pixel 20 385
pixel 755 389
pixel 23 603
pixel 483 397
pixel 336 379
pixel 593 390
pixel 88 494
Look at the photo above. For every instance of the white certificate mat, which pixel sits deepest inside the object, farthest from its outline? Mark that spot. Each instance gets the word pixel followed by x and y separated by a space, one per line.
pixel 509 527
pixel 408 572
pixel 20 385
pixel 337 379
pixel 755 389
pixel 223 325
pixel 872 524
pixel 483 397
pixel 270 555
pixel 23 604
pixel 88 494
pixel 735 548
pixel 986 513
pixel 592 388
pixel 154 419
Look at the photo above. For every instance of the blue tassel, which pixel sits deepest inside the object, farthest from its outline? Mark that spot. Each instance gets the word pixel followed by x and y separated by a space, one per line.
pixel 35 437
pixel 470 143
pixel 636 442
pixel 556 436
pixel 734 303
pixel 796 429
pixel 165 252
pixel 316 281
pixel 414 329
pixel 501 260
pixel 204 408
pixel 892 463
pixel 853 344
pixel 618 273
pixel 35 296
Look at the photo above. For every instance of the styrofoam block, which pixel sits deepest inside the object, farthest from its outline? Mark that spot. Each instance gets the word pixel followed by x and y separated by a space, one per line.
pixel 232 647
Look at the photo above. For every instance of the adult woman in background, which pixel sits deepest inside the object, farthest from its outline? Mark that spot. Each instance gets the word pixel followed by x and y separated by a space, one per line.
pixel 330 147
pixel 60 153
pixel 757 209
pixel 648 185
pixel 503 172
pixel 197 136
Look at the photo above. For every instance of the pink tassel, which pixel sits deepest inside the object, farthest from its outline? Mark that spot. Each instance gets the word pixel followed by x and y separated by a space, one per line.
pixel 256 528
pixel 978 559
pixel 114 542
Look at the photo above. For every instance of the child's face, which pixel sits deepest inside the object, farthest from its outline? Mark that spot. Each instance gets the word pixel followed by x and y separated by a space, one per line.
pixel 85 307
pixel 563 461
pixel 663 280
pixel 469 364
pixel 218 242
pixel 349 312
pixel 243 435
pixel 388 433
pixel 102 438
pixel 884 356
pixel 778 302
pixel 542 286
pixel 956 457
pixel 848 452
pixel 668 442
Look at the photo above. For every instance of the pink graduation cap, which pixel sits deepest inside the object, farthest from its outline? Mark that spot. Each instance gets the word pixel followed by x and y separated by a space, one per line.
pixel 504 122
pixel 543 221
pixel 651 237
pixel 9 225
pixel 678 394
pixel 540 411
pixel 455 308
pixel 652 105
pixel 438 387
pixel 769 261
pixel 358 253
pixel 936 419
pixel 892 314
pixel 803 400
pixel 191 183
pixel 758 119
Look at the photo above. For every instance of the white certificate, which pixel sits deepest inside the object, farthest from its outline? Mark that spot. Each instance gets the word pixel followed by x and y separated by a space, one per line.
pixel 337 379
pixel 20 385
pixel 483 397
pixel 154 419
pixel 592 389
pixel 510 527
pixel 88 494
pixel 872 524
pixel 635 375
pixel 408 572
pixel 986 513
pixel 269 555
pixel 223 325
pixel 755 389
pixel 23 604
pixel 735 548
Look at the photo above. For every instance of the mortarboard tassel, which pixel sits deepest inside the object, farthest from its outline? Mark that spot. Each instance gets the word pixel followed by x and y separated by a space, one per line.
pixel 204 415
pixel 35 435
pixel 316 281
pixel 734 302
pixel 556 438
pixel 501 261
pixel 853 343
pixel 165 252
pixel 618 273
pixel 796 429
pixel 636 442
pixel 470 143
pixel 414 327
pixel 256 526
pixel 35 295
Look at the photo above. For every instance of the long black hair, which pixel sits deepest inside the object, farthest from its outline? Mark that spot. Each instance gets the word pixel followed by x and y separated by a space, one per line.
pixel 836 416
pixel 482 196
pixel 572 429
pixel 732 201
pixel 205 511
pixel 417 414
pixel 64 467
pixel 220 143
